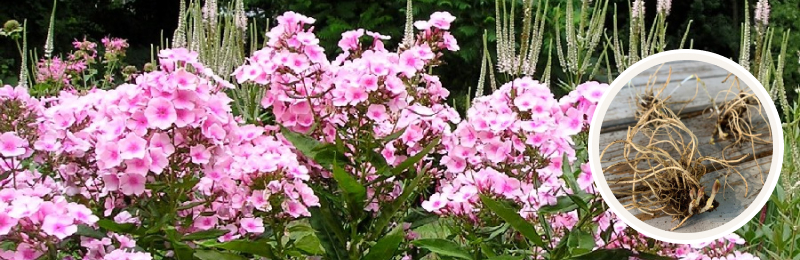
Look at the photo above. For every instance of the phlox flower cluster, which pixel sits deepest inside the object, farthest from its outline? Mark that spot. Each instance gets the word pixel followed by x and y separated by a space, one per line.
pixel 17 126
pixel 720 249
pixel 367 87
pixel 33 214
pixel 173 125
pixel 512 145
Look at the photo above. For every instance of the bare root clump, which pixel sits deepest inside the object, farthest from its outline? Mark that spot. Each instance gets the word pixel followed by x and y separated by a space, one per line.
pixel 665 163
pixel 666 171
pixel 654 103
pixel 736 120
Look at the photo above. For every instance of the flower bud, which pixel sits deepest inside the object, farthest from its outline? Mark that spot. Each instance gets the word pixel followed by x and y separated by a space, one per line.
pixel 11 26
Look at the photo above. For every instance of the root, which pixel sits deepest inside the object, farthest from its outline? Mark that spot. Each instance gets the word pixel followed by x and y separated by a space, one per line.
pixel 665 163
pixel 735 122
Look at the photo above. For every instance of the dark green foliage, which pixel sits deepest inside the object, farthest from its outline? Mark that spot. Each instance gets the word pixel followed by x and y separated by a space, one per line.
pixel 715 28
pixel 785 16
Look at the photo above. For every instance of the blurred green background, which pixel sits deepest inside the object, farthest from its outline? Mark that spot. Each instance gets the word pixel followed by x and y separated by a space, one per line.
pixel 715 27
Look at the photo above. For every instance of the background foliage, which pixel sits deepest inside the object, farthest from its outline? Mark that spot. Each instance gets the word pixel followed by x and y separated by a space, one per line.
pixel 715 26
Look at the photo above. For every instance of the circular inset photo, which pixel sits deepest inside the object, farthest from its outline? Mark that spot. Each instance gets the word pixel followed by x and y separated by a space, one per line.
pixel 685 142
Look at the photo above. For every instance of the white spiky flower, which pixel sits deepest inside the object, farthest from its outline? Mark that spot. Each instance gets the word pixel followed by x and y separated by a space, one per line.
pixel 664 6
pixel 762 12
pixel 637 9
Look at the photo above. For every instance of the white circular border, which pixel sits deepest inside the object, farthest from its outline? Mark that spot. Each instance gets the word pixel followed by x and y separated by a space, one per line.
pixel 777 148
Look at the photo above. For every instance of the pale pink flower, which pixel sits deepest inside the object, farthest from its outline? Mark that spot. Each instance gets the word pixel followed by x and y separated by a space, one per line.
pixel 81 214
pixel 572 123
pixel 295 208
pixel 6 223
pixel 199 154
pixel 377 113
pixel 138 165
pixel 441 20
pixel 434 203
pixel 11 145
pixel 162 141
pixel 130 147
pixel 185 80
pixel 252 225
pixel 349 39
pixel 158 161
pixel 26 251
pixel 205 222
pixel 592 90
pixel 422 25
pixel 132 183
pixel 585 179
pixel 160 113
pixel 59 226
pixel 125 241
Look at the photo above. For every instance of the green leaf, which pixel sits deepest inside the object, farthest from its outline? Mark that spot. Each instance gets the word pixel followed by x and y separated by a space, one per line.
pixel 328 231
pixel 386 215
pixel 386 247
pixel 110 225
pixel 4 175
pixel 309 244
pixel 182 251
pixel 187 184
pixel 380 164
pixel 205 234
pixel 578 200
pixel 216 255
pixel 191 205
pixel 648 256
pixel 569 174
pixel 394 135
pixel 258 248
pixel 304 144
pixel 514 219
pixel 300 229
pixel 487 250
pixel 327 154
pixel 506 257
pixel 323 154
pixel 614 254
pixel 87 231
pixel 352 189
pixel 410 161
pixel 580 242
pixel 605 254
pixel 500 230
pixel 443 247
pixel 564 204
pixel 422 219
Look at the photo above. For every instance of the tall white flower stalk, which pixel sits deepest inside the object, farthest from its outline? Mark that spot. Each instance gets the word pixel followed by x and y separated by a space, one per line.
pixel 581 41
pixel 219 34
pixel 643 42
pixel 408 30
pixel 520 61
pixel 48 45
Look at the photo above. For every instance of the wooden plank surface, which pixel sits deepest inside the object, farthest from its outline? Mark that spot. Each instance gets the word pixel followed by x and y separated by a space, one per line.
pixel 713 77
pixel 702 122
